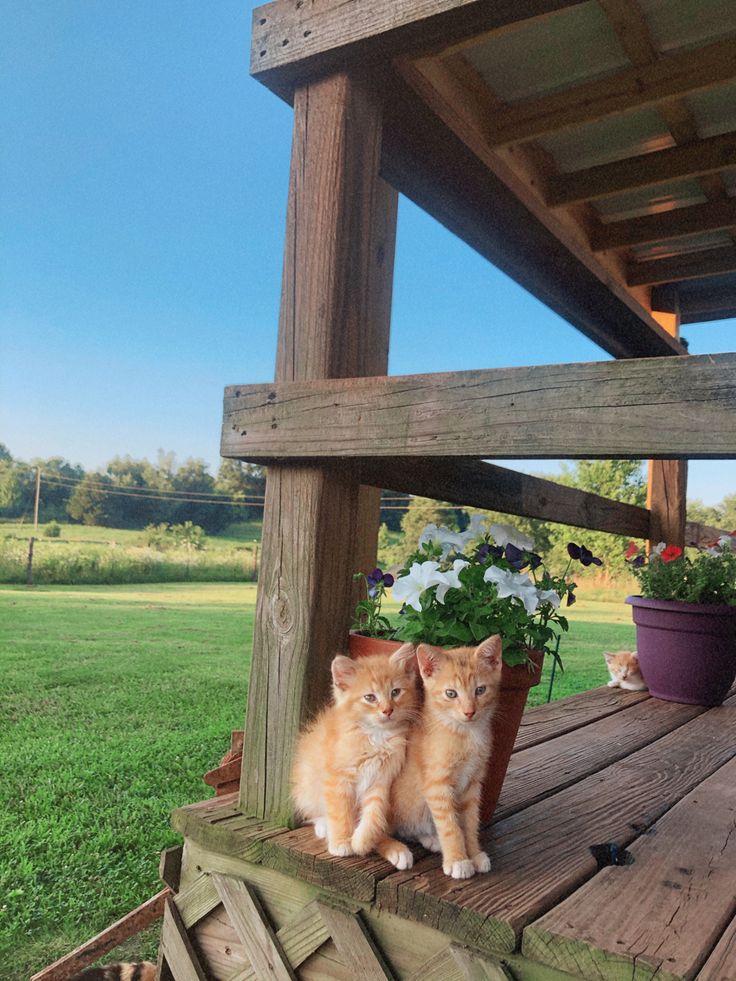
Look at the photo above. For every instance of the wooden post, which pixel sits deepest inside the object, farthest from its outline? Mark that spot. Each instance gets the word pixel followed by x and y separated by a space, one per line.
pixel 667 479
pixel 38 499
pixel 320 526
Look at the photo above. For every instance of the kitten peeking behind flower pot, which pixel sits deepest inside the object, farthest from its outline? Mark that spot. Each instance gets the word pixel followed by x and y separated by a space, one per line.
pixel 623 666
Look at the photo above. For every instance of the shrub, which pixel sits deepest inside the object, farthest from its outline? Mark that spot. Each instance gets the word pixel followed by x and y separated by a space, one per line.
pixel 52 530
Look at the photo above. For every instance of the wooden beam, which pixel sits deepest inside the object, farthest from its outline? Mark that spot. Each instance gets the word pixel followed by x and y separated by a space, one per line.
pixel 688 265
pixel 664 407
pixel 428 163
pixel 473 483
pixel 697 302
pixel 334 322
pixel 667 501
pixel 674 75
pixel 293 42
pixel 691 160
pixel 665 225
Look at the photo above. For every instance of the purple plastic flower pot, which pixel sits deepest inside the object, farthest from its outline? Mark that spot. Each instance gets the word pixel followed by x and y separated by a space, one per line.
pixel 687 651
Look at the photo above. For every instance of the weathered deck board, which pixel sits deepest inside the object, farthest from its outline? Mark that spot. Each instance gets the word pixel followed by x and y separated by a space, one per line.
pixel 537 860
pixel 620 918
pixel 542 770
pixel 721 965
pixel 549 721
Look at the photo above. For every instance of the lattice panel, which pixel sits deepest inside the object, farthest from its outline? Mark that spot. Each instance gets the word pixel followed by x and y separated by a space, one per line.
pixel 218 930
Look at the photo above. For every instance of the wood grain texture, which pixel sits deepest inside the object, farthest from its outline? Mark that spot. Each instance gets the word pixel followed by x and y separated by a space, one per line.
pixel 484 485
pixel 667 502
pixel 690 160
pixel 654 408
pixel 425 160
pixel 661 915
pixel 250 924
pixel 542 770
pixel 674 75
pixel 176 948
pixel 295 41
pixel 721 965
pixel 536 860
pixel 545 722
pixel 359 952
pixel 475 968
pixel 298 939
pixel 334 322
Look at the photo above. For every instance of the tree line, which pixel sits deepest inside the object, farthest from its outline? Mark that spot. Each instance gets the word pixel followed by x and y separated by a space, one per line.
pixel 133 493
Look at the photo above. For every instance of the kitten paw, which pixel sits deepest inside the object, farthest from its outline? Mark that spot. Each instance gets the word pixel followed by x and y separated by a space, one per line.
pixel 361 842
pixel 612 684
pixel 430 842
pixel 320 827
pixel 463 869
pixel 482 862
pixel 341 850
pixel 400 856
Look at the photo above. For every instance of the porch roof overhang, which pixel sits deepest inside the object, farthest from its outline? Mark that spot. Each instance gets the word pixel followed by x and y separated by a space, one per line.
pixel 586 148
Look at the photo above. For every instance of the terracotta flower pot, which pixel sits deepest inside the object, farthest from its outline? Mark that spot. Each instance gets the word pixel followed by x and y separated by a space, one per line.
pixel 515 684
pixel 687 651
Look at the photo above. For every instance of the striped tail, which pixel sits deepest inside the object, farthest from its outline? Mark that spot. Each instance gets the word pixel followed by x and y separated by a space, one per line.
pixel 142 971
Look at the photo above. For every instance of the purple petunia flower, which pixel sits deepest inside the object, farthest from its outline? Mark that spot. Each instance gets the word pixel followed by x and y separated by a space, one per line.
pixel 583 554
pixel 516 557
pixel 571 598
pixel 638 562
pixel 534 560
pixel 573 550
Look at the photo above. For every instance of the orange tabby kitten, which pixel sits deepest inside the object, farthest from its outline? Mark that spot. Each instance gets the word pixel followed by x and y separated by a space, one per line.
pixel 436 799
pixel 623 666
pixel 348 757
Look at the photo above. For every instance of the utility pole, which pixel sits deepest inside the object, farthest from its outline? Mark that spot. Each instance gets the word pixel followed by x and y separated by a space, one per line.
pixel 38 498
pixel 29 567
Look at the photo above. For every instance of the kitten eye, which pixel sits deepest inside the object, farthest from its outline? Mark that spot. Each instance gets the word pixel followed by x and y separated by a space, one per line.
pixel 480 689
pixel 395 692
pixel 451 693
pixel 370 697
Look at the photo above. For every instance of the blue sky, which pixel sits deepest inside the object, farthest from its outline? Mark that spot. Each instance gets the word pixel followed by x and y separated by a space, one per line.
pixel 143 180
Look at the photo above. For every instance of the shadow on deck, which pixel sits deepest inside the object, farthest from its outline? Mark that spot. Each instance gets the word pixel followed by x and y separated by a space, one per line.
pixel 656 780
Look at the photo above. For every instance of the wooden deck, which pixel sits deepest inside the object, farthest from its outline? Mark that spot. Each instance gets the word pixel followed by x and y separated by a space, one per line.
pixel 653 778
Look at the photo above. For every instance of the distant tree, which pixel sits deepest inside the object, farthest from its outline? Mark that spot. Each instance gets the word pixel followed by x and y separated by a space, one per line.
pixel 5 455
pixel 90 503
pixel 728 512
pixel 242 481
pixel 705 514
pixel 393 508
pixel 56 493
pixel 192 479
pixel 16 488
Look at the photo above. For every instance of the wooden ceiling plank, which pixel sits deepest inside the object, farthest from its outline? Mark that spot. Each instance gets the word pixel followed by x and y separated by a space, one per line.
pixel 666 225
pixel 675 163
pixel 297 41
pixel 675 75
pixel 690 265
pixel 439 157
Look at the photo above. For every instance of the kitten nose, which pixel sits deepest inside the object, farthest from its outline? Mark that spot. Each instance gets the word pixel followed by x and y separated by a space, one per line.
pixel 388 712
pixel 470 714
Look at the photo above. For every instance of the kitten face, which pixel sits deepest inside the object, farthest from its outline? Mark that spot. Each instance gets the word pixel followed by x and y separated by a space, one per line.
pixel 379 690
pixel 623 666
pixel 461 685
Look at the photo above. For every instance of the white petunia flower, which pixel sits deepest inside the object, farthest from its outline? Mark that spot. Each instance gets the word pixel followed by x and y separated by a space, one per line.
pixel 503 534
pixel 421 576
pixel 727 541
pixel 453 580
pixel 657 549
pixel 514 584
pixel 548 596
pixel 445 538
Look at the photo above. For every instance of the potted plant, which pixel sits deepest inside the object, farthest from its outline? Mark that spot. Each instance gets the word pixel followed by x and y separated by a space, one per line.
pixel 686 620
pixel 457 589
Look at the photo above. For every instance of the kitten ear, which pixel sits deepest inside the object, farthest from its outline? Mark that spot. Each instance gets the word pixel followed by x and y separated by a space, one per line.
pixel 607 657
pixel 343 671
pixel 490 652
pixel 405 658
pixel 429 659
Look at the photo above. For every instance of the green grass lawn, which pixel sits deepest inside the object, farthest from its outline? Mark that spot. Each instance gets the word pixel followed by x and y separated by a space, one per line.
pixel 114 700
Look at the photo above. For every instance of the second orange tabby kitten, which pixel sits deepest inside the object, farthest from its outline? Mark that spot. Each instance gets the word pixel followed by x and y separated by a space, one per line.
pixel 436 799
pixel 348 757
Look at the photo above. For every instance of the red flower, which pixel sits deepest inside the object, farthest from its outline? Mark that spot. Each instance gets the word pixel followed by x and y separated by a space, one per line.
pixel 670 553
pixel 632 550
